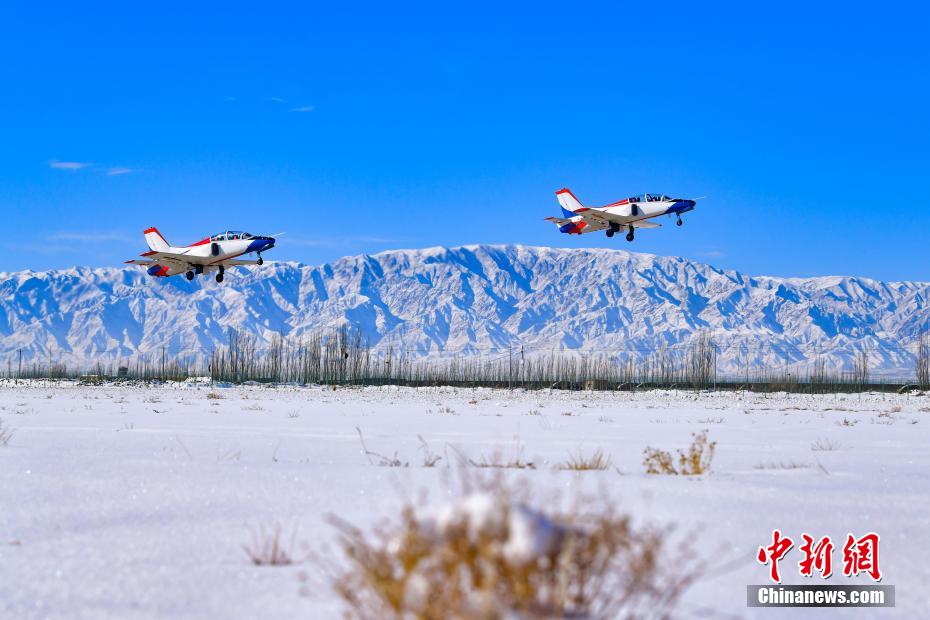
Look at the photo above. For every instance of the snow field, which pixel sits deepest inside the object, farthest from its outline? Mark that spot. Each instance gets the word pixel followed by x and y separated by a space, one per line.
pixel 136 501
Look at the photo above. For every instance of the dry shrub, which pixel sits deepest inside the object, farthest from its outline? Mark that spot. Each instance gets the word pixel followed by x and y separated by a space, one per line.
pixel 580 462
pixel 783 465
pixel 429 459
pixel 214 396
pixel 6 434
pixel 497 461
pixel 490 555
pixel 694 461
pixel 659 462
pixel 268 549
pixel 380 459
pixel 824 445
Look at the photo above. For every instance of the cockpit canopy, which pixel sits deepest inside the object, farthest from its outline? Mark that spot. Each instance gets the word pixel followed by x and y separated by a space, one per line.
pixel 650 198
pixel 231 235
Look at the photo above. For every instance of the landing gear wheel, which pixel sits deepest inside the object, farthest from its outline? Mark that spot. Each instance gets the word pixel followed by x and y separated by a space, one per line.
pixel 219 277
pixel 679 222
pixel 261 261
pixel 189 275
pixel 610 232
pixel 629 235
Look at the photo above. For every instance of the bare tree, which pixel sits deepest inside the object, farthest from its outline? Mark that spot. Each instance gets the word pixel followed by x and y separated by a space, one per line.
pixel 861 367
pixel 923 361
pixel 702 361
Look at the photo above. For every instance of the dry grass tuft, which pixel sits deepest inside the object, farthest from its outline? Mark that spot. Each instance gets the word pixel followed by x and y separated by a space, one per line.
pixel 497 461
pixel 694 461
pixel 490 555
pixel 214 396
pixel 268 549
pixel 379 459
pixel 598 461
pixel 824 445
pixel 429 459
pixel 6 434
pixel 783 465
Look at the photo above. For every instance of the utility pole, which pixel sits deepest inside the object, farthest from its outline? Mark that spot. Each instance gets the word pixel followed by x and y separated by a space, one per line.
pixel 510 376
pixel 19 374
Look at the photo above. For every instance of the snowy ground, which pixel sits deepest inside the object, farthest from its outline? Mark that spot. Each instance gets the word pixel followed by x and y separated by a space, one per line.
pixel 135 502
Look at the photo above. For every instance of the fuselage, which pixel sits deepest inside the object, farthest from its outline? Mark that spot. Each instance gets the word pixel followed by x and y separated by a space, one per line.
pixel 641 207
pixel 212 253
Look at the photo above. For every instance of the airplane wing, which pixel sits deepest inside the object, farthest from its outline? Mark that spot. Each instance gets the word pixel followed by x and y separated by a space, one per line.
pixel 162 259
pixel 607 218
pixel 594 220
pixel 170 258
pixel 581 226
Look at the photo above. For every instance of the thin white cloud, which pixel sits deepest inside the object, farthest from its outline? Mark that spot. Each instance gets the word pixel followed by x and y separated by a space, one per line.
pixel 338 241
pixel 277 99
pixel 91 237
pixel 712 253
pixel 118 170
pixel 303 108
pixel 68 165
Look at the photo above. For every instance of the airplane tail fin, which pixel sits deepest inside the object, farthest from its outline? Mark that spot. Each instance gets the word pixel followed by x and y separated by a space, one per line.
pixel 570 204
pixel 155 240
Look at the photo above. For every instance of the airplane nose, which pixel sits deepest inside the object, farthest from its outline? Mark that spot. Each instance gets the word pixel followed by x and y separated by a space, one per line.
pixel 260 244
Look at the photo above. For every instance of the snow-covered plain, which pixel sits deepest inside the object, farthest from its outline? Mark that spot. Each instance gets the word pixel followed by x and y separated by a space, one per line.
pixel 135 501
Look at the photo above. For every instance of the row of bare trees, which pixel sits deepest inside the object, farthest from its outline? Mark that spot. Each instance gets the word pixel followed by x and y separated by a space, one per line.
pixel 344 357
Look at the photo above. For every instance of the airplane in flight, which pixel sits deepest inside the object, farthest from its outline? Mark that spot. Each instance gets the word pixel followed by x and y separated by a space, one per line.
pixel 629 213
pixel 213 253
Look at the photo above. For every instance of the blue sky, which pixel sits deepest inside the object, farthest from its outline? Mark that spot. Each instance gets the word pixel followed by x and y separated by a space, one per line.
pixel 360 128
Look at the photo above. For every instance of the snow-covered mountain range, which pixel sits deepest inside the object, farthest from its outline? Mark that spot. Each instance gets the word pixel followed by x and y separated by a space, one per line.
pixel 472 300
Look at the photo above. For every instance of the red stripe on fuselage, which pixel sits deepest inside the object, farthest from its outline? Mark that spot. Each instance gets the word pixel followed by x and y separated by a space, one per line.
pixel 219 260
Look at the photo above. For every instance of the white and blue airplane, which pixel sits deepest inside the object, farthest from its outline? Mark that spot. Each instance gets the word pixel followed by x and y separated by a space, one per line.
pixel 213 253
pixel 629 213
